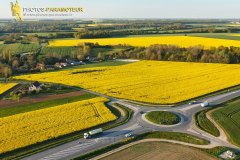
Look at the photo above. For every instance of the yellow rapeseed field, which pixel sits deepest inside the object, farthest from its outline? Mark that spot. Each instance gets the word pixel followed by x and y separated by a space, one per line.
pixel 149 81
pixel 103 24
pixel 29 128
pixel 235 35
pixel 6 86
pixel 182 41
pixel 100 24
pixel 233 25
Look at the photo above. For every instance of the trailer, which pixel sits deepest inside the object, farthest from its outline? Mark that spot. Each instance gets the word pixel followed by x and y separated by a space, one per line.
pixel 92 133
pixel 205 104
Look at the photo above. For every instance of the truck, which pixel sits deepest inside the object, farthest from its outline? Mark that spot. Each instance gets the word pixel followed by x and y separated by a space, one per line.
pixel 205 104
pixel 92 133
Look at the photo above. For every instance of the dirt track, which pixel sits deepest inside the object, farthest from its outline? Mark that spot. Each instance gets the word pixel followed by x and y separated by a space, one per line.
pixel 40 98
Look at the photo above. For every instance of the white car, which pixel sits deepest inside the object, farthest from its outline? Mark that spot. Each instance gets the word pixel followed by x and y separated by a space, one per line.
pixel 128 135
pixel 205 104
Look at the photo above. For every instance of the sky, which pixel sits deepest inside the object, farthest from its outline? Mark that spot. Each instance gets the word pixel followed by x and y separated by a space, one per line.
pixel 137 8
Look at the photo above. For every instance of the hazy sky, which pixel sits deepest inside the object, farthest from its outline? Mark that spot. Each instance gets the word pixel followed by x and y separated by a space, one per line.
pixel 138 8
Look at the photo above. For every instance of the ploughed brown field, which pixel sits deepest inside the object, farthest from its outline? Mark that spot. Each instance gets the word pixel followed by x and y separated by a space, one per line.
pixel 38 98
pixel 160 150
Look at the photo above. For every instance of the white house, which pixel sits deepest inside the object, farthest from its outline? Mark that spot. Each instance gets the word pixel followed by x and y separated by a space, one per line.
pixel 36 86
pixel 230 154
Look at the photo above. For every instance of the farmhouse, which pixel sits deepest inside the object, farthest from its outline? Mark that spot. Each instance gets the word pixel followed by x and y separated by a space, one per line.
pixel 230 155
pixel 227 155
pixel 36 86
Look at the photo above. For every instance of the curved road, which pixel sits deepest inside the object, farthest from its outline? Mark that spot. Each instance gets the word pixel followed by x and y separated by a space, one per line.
pixel 138 125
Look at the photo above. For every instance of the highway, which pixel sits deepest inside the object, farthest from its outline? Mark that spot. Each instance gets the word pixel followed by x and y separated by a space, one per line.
pixel 138 125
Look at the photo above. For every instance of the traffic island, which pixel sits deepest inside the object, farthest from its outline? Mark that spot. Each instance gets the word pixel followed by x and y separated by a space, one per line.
pixel 163 118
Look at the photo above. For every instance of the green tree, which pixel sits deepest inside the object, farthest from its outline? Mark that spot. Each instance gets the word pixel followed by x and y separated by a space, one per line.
pixel 7 71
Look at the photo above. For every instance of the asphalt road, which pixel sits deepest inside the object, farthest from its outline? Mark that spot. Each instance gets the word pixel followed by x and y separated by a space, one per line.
pixel 138 125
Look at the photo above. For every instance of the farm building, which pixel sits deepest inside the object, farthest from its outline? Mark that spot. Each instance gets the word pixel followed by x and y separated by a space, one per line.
pixel 36 86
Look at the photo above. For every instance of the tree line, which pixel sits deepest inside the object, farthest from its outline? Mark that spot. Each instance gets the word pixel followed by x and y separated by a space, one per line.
pixel 221 54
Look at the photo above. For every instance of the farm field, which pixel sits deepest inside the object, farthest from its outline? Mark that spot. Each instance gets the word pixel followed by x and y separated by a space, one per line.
pixel 9 109
pixel 18 48
pixel 161 150
pixel 148 81
pixel 41 33
pixel 71 51
pixel 183 41
pixel 233 25
pixel 105 51
pixel 6 86
pixel 32 127
pixel 104 24
pixel 228 117
pixel 238 35
pixel 226 36
pixel 63 51
pixel 99 64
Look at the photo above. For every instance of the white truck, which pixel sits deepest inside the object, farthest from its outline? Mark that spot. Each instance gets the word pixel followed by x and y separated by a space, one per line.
pixel 205 104
pixel 92 133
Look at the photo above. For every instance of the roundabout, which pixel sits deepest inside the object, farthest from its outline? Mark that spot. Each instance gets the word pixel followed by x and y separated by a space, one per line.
pixel 163 118
pixel 177 119
pixel 179 129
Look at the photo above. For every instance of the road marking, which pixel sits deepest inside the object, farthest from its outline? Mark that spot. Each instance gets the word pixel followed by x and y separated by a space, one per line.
pixel 190 107
pixel 69 151
pixel 104 139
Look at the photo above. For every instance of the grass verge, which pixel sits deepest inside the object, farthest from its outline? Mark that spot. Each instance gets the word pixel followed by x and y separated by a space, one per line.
pixel 183 137
pixel 125 118
pixel 205 124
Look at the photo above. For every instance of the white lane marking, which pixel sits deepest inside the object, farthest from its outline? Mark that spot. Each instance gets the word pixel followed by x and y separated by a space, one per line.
pixel 69 151
pixel 102 139
pixel 190 107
